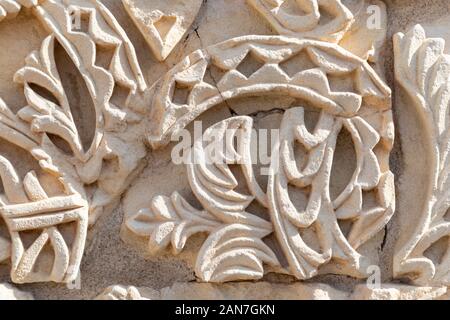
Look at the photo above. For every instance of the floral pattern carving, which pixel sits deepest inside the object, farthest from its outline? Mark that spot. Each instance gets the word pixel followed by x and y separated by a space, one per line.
pixel 28 207
pixel 91 178
pixel 312 84
pixel 421 68
pixel 355 27
pixel 123 71
pixel 321 212
pixel 364 113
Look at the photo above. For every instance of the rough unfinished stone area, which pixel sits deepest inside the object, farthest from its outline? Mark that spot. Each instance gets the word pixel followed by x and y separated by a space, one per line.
pixel 224 149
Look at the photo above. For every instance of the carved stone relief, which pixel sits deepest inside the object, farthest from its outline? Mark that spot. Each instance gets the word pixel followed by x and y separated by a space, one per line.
pixel 331 21
pixel 422 71
pixel 269 291
pixel 47 130
pixel 363 112
pixel 163 23
pixel 88 157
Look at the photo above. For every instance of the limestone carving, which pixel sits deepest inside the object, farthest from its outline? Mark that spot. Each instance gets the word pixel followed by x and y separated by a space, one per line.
pixel 367 34
pixel 364 112
pixel 421 69
pixel 8 292
pixel 234 250
pixel 356 27
pixel 112 121
pixel 94 95
pixel 127 293
pixel 32 205
pixel 284 17
pixel 321 212
pixel 164 22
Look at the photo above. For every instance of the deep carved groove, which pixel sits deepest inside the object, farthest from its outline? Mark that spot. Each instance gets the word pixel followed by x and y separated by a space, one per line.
pixel 80 100
pixel 344 164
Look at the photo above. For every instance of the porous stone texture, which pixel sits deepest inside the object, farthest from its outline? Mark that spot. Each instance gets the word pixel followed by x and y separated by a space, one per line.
pixel 351 203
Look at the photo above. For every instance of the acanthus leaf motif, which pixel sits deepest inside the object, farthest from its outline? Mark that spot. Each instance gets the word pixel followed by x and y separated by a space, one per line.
pixel 234 252
pixel 320 211
pixel 211 179
pixel 42 113
pixel 105 141
pixel 311 84
pixel 422 69
pixel 225 213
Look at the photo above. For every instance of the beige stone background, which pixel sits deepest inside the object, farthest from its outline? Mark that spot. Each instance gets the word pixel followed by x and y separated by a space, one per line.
pixel 107 259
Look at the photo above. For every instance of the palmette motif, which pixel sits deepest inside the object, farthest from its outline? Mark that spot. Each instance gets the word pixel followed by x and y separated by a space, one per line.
pixel 109 141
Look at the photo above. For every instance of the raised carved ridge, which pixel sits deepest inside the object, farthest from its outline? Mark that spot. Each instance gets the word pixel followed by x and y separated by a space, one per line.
pixel 364 112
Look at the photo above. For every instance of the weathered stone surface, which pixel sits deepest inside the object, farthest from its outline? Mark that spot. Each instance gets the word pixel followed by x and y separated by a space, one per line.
pixel 421 70
pixel 308 175
pixel 163 22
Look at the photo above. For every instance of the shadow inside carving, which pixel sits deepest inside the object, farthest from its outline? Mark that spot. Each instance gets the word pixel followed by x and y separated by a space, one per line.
pixel 164 25
pixel 81 105
pixel 344 164
pixel 104 57
pixel 120 95
pixel 438 250
pixel 20 159
pixel 180 94
pixel 342 84
pixel 213 74
pixel 447 215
